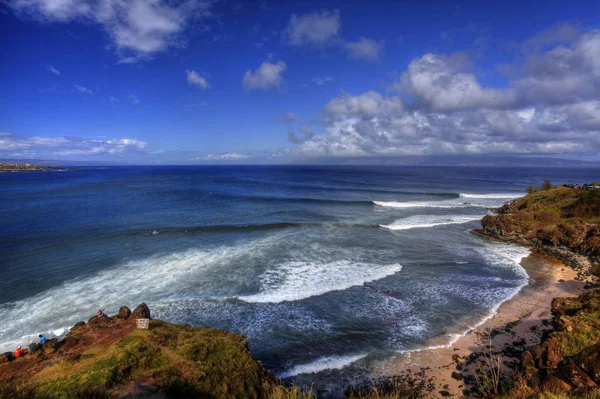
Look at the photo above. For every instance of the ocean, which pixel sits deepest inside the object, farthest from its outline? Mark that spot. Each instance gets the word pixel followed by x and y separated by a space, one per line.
pixel 319 267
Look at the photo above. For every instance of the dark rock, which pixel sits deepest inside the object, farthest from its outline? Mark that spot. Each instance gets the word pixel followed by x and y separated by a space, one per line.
pixel 457 376
pixel 124 313
pixel 6 357
pixel 570 372
pixel 141 312
pixel 589 361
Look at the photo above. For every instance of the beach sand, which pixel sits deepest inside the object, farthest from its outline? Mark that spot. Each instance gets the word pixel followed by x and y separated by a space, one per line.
pixel 523 317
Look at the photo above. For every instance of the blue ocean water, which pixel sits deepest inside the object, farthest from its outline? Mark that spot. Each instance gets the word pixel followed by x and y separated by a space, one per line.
pixel 318 266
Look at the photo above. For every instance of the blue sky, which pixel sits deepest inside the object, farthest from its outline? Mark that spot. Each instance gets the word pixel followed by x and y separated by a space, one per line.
pixel 200 81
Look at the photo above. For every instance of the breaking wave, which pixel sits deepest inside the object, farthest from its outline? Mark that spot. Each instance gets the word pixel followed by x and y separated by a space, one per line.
pixel 492 196
pixel 421 221
pixel 296 280
pixel 324 363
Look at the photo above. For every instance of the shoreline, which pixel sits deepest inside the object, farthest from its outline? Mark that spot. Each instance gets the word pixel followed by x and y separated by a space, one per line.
pixel 517 324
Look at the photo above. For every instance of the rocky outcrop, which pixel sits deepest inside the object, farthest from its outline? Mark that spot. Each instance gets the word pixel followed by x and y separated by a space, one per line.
pixel 124 313
pixel 109 357
pixel 141 312
pixel 569 358
pixel 560 222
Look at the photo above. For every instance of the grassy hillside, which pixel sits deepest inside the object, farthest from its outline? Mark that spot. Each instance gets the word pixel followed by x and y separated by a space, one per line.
pixel 108 358
pixel 559 216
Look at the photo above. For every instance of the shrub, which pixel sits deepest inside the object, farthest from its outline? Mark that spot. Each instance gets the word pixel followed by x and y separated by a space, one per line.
pixel 546 185
pixel 531 189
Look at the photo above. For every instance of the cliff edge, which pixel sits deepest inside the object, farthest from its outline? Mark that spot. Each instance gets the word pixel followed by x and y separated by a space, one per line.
pixel 560 221
pixel 108 357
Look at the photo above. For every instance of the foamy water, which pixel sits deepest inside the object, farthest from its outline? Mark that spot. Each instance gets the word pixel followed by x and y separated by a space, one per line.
pixel 324 363
pixel 423 221
pixel 299 280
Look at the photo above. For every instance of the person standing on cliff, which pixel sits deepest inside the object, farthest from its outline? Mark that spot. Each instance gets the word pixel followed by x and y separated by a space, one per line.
pixel 100 313
pixel 18 352
pixel 43 339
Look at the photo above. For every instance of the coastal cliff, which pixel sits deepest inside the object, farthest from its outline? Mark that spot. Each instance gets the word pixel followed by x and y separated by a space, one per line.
pixel 560 221
pixel 108 357
pixel 563 222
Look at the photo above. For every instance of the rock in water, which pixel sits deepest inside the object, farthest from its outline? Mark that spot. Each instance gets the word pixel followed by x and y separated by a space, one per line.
pixel 141 312
pixel 124 312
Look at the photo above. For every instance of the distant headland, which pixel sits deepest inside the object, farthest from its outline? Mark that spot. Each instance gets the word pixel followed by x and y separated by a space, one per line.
pixel 27 167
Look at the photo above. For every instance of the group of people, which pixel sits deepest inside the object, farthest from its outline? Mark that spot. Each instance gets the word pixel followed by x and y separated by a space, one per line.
pixel 32 346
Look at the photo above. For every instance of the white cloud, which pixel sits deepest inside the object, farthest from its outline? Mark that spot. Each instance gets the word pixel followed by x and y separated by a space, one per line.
pixel 195 79
pixel 137 28
pixel 268 76
pixel 83 90
pixel 365 49
pixel 551 106
pixel 316 29
pixel 53 70
pixel 229 156
pixel 134 100
pixel 438 81
pixel 321 80
pixel 69 146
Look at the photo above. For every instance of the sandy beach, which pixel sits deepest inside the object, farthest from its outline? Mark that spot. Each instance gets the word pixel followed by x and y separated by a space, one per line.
pixel 517 323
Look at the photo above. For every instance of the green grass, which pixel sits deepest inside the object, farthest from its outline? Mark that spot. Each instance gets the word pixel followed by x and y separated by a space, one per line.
pixel 183 361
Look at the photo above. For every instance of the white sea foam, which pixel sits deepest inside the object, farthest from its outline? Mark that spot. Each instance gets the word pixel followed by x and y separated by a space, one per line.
pixel 421 221
pixel 427 204
pixel 493 195
pixel 147 280
pixel 324 363
pixel 495 255
pixel 296 280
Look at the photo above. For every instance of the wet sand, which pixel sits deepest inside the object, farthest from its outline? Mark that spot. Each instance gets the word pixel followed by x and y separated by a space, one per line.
pixel 523 317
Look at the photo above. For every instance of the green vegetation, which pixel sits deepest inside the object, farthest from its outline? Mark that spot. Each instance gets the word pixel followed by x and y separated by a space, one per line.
pixel 556 216
pixel 183 361
pixel 546 185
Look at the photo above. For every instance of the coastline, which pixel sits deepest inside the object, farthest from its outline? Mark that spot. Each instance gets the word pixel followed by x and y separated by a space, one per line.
pixel 517 324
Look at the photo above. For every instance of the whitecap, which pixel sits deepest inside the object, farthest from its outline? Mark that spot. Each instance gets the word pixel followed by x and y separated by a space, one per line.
pixel 490 195
pixel 422 221
pixel 324 363
pixel 296 280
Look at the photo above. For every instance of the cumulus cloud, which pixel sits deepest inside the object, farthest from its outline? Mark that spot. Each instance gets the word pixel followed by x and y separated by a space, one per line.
pixel 53 70
pixel 133 99
pixel 551 106
pixel 195 79
pixel 439 82
pixel 320 29
pixel 69 146
pixel 315 29
pixel 82 90
pixel 137 28
pixel 268 76
pixel 365 49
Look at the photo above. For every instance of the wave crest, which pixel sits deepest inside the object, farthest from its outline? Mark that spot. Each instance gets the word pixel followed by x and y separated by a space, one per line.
pixel 422 221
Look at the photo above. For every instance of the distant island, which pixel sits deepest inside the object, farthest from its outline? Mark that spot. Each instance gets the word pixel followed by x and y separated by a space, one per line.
pixel 26 167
